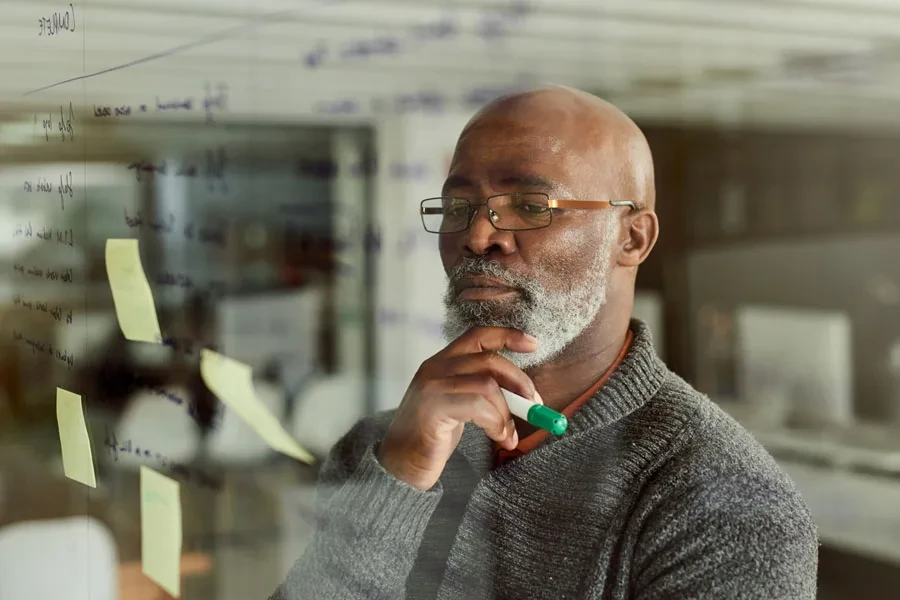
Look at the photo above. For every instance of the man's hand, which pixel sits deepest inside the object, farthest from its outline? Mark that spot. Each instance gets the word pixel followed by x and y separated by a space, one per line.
pixel 459 384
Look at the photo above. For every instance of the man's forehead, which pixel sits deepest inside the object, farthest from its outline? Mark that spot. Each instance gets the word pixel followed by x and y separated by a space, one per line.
pixel 509 135
pixel 497 155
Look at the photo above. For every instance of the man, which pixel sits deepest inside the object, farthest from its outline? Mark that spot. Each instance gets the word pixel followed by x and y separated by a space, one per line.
pixel 652 492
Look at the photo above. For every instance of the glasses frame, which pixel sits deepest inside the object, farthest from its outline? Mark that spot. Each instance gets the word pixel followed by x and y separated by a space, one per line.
pixel 567 203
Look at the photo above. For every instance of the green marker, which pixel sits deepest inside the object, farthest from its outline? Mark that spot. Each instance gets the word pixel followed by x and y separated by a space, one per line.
pixel 536 414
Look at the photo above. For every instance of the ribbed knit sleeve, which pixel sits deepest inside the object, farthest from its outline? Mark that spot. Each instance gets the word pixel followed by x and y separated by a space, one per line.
pixel 370 526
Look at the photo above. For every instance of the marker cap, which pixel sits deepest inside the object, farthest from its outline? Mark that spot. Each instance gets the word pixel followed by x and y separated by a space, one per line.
pixel 547 418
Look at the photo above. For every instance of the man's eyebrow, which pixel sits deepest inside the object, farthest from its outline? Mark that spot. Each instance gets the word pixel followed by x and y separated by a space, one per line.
pixel 455 182
pixel 530 181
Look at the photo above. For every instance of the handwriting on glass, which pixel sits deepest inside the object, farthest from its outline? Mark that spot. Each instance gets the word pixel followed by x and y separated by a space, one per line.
pixel 186 346
pixel 498 24
pixel 439 29
pixel 57 22
pixel 423 101
pixel 215 100
pixel 65 189
pixel 62 275
pixel 214 169
pixel 206 234
pixel 65 237
pixel 41 185
pixel 58 313
pixel 184 472
pixel 151 170
pixel 216 163
pixel 492 25
pixel 213 289
pixel 44 185
pixel 162 391
pixel 65 124
pixel 38 346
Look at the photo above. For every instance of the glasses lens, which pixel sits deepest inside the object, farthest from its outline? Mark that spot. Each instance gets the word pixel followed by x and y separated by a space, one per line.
pixel 520 211
pixel 445 215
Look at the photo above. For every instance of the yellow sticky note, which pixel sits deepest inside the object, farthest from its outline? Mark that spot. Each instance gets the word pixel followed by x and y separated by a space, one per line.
pixel 78 462
pixel 232 382
pixel 161 530
pixel 131 292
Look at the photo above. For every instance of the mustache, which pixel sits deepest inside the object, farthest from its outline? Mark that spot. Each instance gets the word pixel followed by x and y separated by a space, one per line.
pixel 480 265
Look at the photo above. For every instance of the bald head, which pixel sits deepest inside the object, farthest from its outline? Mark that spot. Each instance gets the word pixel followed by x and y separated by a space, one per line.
pixel 604 147
pixel 572 278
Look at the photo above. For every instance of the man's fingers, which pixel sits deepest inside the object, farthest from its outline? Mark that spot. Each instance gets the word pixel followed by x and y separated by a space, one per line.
pixel 503 371
pixel 475 408
pixel 485 339
pixel 481 384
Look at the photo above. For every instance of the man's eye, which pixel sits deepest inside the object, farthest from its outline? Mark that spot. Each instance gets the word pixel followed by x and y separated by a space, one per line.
pixel 533 208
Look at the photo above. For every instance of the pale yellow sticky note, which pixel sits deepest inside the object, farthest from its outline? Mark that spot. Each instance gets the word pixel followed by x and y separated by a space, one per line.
pixel 232 382
pixel 131 292
pixel 78 461
pixel 161 530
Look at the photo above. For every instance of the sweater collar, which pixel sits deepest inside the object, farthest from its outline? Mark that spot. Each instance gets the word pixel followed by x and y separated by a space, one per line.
pixel 635 381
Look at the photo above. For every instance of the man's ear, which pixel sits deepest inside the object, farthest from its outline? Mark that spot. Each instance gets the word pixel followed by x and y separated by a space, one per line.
pixel 640 229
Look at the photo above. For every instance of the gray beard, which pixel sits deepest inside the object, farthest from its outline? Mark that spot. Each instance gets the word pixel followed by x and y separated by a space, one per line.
pixel 555 318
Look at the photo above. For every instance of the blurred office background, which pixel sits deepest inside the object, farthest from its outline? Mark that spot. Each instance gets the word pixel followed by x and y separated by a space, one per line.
pixel 269 157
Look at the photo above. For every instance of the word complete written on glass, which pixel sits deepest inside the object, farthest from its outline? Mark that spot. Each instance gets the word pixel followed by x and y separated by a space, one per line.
pixel 57 22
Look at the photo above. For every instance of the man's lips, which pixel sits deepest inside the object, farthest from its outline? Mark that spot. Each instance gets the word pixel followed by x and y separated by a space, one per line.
pixel 479 287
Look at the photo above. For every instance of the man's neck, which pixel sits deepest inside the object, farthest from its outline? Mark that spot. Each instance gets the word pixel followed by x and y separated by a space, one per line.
pixel 580 366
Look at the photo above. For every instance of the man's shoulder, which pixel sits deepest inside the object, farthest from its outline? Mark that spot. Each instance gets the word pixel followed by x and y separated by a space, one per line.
pixel 713 452
pixel 717 515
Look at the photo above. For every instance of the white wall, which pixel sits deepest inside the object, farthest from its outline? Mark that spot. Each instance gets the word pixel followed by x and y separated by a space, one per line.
pixel 410 277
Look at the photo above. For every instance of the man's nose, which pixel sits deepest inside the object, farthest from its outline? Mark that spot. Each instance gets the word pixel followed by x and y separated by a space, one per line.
pixel 481 236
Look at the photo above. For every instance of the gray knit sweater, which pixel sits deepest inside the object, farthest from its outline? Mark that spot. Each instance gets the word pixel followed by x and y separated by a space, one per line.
pixel 653 492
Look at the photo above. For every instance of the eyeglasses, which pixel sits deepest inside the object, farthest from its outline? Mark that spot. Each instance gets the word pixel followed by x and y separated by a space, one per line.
pixel 520 211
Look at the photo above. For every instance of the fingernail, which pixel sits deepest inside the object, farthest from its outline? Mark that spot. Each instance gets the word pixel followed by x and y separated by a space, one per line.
pixel 537 397
pixel 531 338
pixel 515 438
